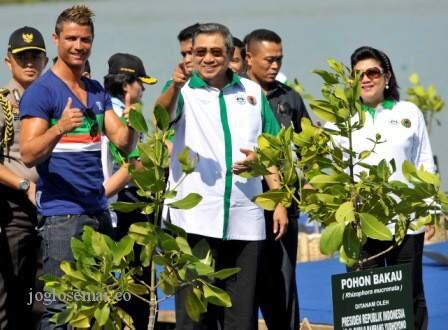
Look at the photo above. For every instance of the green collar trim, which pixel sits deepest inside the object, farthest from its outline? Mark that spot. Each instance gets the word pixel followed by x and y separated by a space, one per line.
pixel 197 82
pixel 387 104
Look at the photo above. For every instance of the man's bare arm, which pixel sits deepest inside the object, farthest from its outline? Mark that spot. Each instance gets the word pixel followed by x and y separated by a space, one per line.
pixel 37 140
pixel 169 98
pixel 280 216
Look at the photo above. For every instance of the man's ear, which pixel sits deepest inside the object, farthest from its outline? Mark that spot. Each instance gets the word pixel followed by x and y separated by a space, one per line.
pixel 7 61
pixel 55 38
pixel 248 58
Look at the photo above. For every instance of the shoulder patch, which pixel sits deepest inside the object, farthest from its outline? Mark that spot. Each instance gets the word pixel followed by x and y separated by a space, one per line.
pixel 406 122
pixel 252 100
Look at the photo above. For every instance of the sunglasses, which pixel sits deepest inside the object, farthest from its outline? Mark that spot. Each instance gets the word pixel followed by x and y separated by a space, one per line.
pixel 215 52
pixel 91 120
pixel 372 73
pixel 29 56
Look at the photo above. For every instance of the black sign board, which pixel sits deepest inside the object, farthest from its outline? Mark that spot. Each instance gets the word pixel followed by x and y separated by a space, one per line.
pixel 374 299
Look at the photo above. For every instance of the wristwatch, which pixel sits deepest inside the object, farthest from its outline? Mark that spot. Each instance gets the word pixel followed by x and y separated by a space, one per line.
pixel 24 185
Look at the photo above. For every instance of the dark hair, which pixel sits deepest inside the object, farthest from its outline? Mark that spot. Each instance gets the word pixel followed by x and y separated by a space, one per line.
pixel 79 14
pixel 113 83
pixel 365 53
pixel 261 35
pixel 237 43
pixel 188 32
pixel 212 28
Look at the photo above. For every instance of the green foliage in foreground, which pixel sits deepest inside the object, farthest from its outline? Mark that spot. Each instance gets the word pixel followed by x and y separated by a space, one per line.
pixel 351 204
pixel 104 271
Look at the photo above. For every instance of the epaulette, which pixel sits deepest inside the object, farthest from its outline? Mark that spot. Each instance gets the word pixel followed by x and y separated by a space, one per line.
pixel 4 92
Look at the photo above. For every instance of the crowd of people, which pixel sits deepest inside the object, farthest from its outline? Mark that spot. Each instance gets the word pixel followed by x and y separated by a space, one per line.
pixel 66 147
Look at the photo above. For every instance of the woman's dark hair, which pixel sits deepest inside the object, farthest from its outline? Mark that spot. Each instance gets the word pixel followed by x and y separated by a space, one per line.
pixel 113 84
pixel 365 53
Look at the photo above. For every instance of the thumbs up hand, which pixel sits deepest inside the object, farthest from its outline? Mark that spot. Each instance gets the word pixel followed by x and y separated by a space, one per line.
pixel 70 119
pixel 127 106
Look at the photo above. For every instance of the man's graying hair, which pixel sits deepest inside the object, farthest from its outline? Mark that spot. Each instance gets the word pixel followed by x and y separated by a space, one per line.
pixel 212 28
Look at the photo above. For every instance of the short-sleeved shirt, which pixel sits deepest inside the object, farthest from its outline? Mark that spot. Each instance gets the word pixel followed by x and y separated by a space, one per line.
pixel 215 123
pixel 71 178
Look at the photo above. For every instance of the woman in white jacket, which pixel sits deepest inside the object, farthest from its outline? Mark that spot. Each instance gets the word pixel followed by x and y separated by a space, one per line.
pixel 402 127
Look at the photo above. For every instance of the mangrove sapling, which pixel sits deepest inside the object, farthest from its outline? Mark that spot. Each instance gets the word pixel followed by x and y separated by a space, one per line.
pixel 351 199
pixel 103 270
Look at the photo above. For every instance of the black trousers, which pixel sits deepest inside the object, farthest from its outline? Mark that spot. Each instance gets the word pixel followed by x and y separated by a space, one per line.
pixel 18 258
pixel 241 288
pixel 276 288
pixel 410 251
pixel 138 309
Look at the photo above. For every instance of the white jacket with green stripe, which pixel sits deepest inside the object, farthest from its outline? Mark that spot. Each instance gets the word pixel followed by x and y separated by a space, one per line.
pixel 215 124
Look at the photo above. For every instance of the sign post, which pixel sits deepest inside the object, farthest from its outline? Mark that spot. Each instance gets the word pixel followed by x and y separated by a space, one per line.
pixel 374 299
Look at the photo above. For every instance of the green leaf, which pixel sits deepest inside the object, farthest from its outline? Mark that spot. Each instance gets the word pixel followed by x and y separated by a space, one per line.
pixel 224 273
pixel 146 254
pixel 351 243
pixel 216 296
pixel 328 77
pixel 100 244
pixel 127 207
pixel 69 269
pixel 270 199
pixel 138 289
pixel 202 251
pixel 364 154
pixel 63 317
pixel 331 238
pixel 193 306
pixel 335 65
pixel 138 122
pixel 408 170
pixel 322 180
pixel 78 248
pixel 323 111
pixel 187 163
pixel 428 177
pixel 188 202
pixel 175 230
pixel 374 228
pixel 162 117
pixel 202 268
pixel 345 259
pixel 170 194
pixel 122 249
pixel 345 212
pixel 102 314
pixel 183 245
pixel 81 320
pixel 124 316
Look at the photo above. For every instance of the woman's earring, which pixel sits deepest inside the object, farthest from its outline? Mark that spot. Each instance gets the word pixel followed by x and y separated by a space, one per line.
pixel 387 85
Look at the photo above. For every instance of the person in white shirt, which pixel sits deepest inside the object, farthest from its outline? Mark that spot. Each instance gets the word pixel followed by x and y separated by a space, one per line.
pixel 403 130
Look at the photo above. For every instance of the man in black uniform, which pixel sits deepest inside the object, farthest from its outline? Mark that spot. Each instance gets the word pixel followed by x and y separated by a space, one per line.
pixel 277 289
pixel 25 58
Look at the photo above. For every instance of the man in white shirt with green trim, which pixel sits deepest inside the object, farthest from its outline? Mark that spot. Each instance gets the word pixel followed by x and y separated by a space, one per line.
pixel 219 116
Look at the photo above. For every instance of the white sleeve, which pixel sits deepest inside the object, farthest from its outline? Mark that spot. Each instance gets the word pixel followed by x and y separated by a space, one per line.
pixel 422 152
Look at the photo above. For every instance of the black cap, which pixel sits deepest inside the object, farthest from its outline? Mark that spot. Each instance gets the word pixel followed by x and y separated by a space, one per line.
pixel 26 38
pixel 131 64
